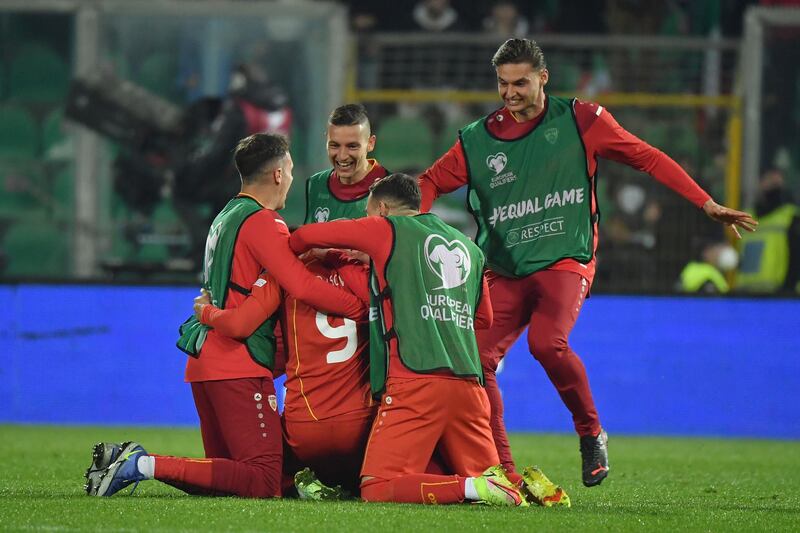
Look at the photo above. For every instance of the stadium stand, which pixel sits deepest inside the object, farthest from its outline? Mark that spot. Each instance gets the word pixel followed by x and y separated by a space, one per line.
pixel 36 247
pixel 405 143
pixel 18 132
pixel 38 74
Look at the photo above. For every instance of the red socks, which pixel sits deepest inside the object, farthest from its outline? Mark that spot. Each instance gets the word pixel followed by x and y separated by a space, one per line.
pixel 415 488
pixel 249 480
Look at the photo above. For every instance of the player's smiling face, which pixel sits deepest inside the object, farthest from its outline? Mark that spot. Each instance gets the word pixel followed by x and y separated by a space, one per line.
pixel 348 147
pixel 521 87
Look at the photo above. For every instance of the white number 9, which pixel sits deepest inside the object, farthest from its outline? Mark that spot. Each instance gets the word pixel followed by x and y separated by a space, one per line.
pixel 347 331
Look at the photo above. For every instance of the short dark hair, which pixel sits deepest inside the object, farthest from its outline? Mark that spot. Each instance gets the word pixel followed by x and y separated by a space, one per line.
pixel 519 51
pixel 349 115
pixel 257 151
pixel 399 189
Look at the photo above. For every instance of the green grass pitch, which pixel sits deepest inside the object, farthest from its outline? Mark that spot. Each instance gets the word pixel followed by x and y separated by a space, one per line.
pixel 659 483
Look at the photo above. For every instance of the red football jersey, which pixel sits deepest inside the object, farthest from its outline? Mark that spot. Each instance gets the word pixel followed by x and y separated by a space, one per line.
pixel 327 366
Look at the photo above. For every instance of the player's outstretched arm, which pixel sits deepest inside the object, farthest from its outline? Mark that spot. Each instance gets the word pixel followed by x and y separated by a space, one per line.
pixel 447 174
pixel 730 217
pixel 604 137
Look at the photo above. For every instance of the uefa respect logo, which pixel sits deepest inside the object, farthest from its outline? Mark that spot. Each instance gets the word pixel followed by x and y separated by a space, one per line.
pixel 448 260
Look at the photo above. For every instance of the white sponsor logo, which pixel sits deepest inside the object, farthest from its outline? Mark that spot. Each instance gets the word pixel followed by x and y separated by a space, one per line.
pixel 502 179
pixel 451 263
pixel 535 231
pixel 211 245
pixel 443 308
pixel 497 162
pixel 535 205
pixel 448 260
pixel 322 214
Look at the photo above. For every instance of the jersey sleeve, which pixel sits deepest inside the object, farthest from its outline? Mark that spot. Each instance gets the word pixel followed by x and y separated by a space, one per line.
pixel 371 235
pixel 447 174
pixel 484 315
pixel 604 137
pixel 267 239
pixel 356 278
pixel 242 321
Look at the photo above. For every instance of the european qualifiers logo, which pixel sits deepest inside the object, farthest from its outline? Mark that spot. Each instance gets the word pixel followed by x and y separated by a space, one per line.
pixel 450 263
pixel 496 163
pixel 448 260
pixel 321 214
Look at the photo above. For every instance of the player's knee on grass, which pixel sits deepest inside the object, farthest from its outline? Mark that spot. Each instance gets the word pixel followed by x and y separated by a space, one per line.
pixel 375 490
pixel 265 481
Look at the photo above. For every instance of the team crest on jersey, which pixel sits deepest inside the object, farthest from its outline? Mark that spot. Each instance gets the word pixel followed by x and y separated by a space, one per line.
pixel 551 135
pixel 273 402
pixel 321 214
pixel 497 162
pixel 449 260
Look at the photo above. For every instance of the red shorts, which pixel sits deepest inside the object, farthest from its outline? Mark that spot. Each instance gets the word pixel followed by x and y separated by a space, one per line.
pixel 239 420
pixel 421 415
pixel 333 447
pixel 547 303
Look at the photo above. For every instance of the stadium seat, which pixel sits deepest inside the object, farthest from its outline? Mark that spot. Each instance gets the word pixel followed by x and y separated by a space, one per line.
pixel 404 144
pixel 657 134
pixel 64 195
pixel 684 142
pixel 20 187
pixel 52 132
pixel 122 249
pixel 18 132
pixel 158 74
pixel 299 144
pixel 165 223
pixel 565 77
pixel 36 247
pixel 448 137
pixel 37 74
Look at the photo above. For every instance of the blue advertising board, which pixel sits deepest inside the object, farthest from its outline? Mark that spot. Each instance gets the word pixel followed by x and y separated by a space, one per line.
pixel 72 354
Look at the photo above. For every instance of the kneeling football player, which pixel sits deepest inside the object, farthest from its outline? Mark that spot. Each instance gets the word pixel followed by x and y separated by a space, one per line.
pixel 428 289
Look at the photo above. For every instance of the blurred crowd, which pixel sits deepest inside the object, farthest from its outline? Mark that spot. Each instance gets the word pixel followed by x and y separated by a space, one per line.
pixel 508 18
pixel 161 199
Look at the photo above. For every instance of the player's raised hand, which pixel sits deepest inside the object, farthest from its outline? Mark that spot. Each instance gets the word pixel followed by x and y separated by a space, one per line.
pixel 731 217
pixel 200 302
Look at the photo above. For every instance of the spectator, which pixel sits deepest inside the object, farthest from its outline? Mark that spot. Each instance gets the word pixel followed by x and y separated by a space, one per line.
pixel 707 276
pixel 771 257
pixel 253 105
pixel 436 16
pixel 506 21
